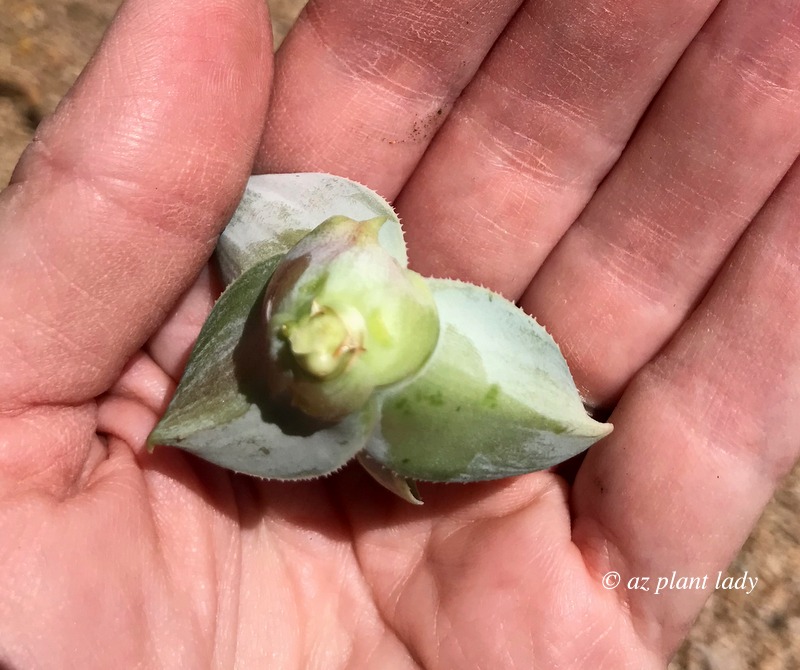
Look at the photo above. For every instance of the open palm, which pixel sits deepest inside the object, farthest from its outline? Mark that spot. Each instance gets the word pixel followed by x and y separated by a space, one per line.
pixel 622 169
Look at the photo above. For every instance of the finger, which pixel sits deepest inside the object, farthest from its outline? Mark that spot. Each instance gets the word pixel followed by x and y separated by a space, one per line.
pixel 543 121
pixel 710 151
pixel 172 343
pixel 361 87
pixel 144 382
pixel 116 205
pixel 704 433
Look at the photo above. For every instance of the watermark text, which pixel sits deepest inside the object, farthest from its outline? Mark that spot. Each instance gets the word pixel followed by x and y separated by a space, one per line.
pixel 675 582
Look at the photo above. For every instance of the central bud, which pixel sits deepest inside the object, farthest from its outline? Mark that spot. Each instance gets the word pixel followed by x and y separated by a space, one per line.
pixel 344 318
pixel 323 342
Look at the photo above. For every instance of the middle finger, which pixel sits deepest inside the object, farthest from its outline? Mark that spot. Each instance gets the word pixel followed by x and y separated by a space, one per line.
pixel 360 87
pixel 545 118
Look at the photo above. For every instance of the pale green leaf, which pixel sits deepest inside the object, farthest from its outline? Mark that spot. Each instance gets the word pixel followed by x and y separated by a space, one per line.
pixel 496 398
pixel 404 488
pixel 277 210
pixel 223 413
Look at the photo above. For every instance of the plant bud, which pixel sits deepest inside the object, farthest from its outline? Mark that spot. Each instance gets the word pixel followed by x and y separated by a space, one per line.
pixel 344 318
pixel 417 379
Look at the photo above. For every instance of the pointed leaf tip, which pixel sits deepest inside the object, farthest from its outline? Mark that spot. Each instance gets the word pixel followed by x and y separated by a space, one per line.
pixel 222 412
pixel 496 398
pixel 400 486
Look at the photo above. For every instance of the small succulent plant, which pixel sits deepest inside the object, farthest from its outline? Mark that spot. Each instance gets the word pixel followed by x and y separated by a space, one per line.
pixel 325 347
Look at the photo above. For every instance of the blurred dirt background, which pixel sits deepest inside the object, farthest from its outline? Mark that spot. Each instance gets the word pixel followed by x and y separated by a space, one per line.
pixel 43 46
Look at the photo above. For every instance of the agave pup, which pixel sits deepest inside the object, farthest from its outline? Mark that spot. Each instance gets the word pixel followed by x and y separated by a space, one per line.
pixel 325 347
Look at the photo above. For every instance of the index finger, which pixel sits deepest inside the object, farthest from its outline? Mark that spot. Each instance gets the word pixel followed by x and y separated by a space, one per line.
pixel 362 87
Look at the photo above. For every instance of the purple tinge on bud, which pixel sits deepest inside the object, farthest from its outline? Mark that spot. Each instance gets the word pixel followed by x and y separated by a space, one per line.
pixel 344 318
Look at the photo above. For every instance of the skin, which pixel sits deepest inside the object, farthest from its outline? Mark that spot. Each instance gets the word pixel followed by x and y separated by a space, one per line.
pixel 623 168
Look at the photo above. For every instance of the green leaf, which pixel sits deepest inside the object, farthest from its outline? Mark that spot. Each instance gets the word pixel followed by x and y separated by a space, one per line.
pixel 277 210
pixel 496 398
pixel 400 486
pixel 223 413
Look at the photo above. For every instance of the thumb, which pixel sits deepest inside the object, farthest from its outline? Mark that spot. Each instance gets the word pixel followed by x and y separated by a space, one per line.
pixel 116 205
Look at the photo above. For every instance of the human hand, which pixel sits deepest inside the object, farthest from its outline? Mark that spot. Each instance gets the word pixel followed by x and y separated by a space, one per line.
pixel 121 557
